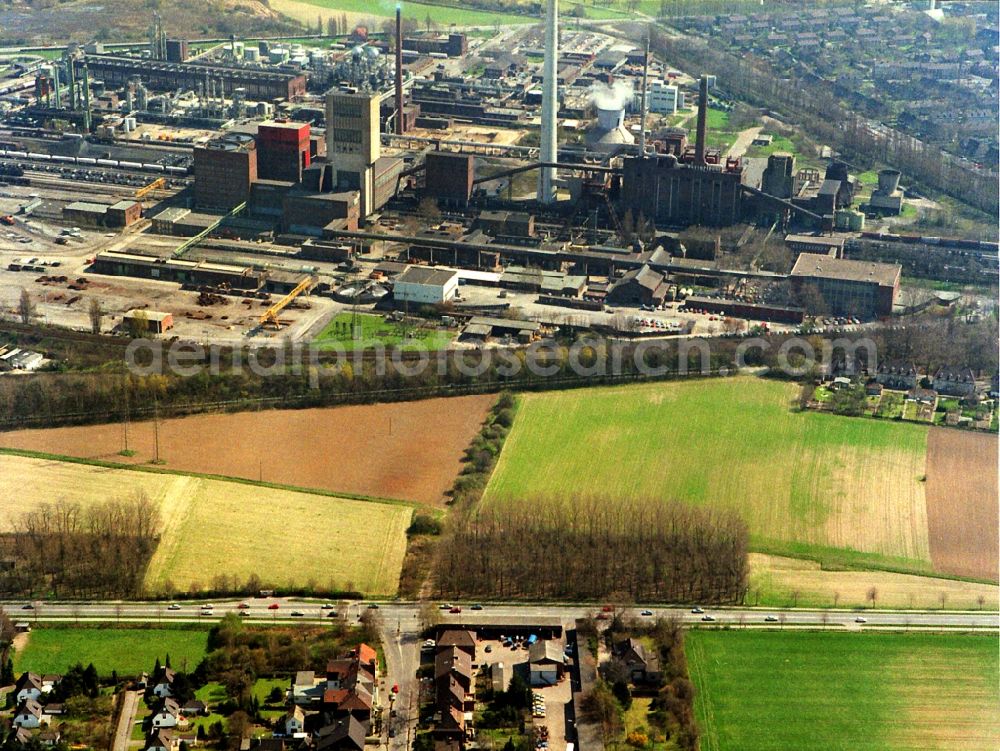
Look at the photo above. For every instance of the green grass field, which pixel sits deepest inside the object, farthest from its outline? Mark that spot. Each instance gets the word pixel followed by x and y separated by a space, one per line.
pixel 774 691
pixel 129 651
pixel 809 485
pixel 366 331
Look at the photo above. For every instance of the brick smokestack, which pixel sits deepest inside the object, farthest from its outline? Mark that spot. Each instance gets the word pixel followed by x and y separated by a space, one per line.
pixel 699 143
pixel 399 71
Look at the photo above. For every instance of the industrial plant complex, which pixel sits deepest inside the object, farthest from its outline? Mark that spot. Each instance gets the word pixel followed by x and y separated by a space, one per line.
pixel 562 174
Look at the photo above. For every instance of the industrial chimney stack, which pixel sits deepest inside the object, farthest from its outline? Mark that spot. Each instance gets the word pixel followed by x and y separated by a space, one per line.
pixel 642 106
pixel 550 104
pixel 699 144
pixel 399 71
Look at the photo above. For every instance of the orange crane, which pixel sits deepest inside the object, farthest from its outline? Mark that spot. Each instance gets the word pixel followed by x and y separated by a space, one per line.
pixel 147 189
pixel 270 316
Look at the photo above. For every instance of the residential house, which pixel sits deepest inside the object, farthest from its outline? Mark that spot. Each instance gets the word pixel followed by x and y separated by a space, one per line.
pixel 306 689
pixel 346 735
pixel 461 638
pixel 28 714
pixel 28 686
pixel 356 702
pixel 295 721
pixel 163 682
pixel 643 666
pixel 18 736
pixel 161 740
pixel 451 726
pixel 452 662
pixel 546 663
pixel 951 381
pixel 873 388
pixel 166 714
pixel 899 376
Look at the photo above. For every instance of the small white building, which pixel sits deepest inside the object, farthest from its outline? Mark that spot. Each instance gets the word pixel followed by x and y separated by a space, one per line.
pixel 423 285
pixel 295 721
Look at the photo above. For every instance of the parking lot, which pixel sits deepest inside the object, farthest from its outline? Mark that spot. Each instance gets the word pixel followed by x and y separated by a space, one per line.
pixel 549 709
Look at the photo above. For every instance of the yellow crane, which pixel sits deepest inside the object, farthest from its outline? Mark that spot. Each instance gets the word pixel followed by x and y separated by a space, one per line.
pixel 147 189
pixel 270 316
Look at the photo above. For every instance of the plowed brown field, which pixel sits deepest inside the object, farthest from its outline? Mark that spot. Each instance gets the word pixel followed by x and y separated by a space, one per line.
pixel 963 522
pixel 406 450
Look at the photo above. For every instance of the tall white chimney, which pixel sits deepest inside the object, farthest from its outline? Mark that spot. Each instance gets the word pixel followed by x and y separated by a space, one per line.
pixel 550 104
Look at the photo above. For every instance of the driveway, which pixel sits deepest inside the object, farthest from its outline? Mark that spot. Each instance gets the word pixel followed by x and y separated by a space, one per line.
pixel 123 731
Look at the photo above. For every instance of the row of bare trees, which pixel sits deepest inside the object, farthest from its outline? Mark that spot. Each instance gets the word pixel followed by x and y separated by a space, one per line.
pixel 68 550
pixel 588 548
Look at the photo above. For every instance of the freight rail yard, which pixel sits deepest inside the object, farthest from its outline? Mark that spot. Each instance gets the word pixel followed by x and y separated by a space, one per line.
pixel 248 191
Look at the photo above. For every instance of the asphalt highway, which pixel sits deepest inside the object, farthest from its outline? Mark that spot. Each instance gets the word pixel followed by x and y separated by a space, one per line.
pixel 403 617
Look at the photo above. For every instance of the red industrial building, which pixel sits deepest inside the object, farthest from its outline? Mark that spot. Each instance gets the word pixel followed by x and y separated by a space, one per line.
pixel 283 150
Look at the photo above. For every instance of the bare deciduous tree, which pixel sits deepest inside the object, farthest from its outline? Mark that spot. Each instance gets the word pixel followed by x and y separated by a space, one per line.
pixel 25 307
pixel 96 313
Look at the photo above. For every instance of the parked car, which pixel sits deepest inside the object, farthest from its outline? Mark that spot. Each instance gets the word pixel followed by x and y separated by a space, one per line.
pixel 373 606
pixel 455 609
pixel 326 606
pixel 488 648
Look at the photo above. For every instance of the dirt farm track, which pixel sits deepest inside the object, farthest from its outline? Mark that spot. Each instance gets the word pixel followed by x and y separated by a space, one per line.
pixel 962 499
pixel 405 450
